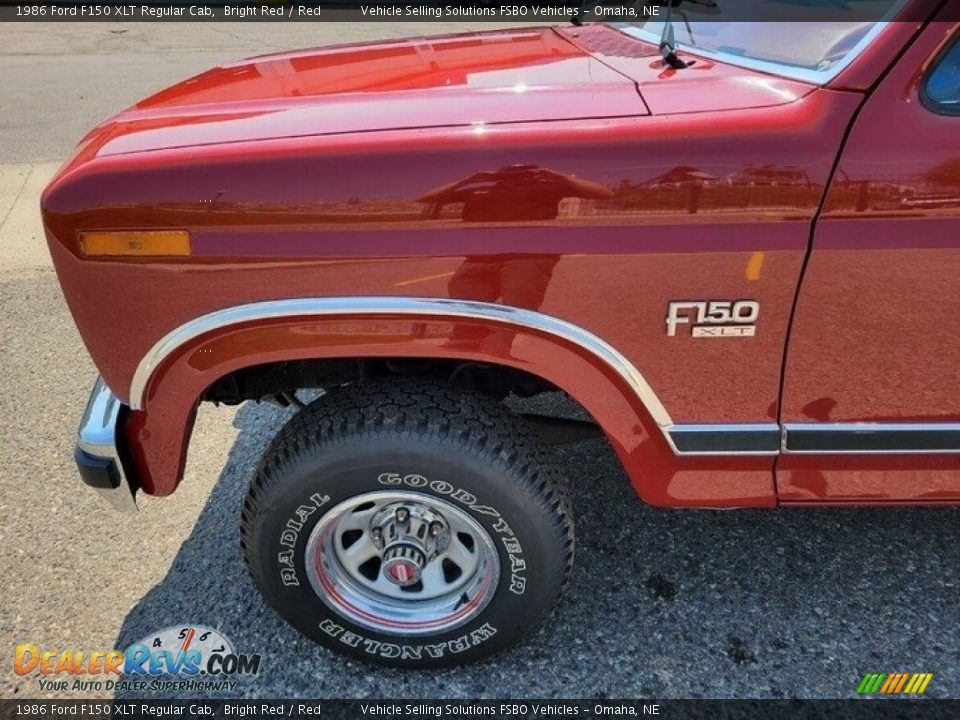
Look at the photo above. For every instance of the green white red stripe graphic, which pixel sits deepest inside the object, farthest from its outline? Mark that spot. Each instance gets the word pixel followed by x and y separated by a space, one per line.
pixel 894 683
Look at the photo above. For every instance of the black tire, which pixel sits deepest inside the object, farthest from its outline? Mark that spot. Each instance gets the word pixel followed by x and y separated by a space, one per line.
pixel 354 440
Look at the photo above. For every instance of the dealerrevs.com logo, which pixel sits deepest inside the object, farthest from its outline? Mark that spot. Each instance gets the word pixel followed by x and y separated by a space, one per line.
pixel 186 657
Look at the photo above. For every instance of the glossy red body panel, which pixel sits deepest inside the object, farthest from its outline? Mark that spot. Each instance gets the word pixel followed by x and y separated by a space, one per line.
pixel 875 337
pixel 688 209
pixel 868 479
pixel 465 167
pixel 515 76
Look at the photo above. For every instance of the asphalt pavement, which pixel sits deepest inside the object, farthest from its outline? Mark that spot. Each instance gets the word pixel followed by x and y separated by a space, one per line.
pixel 662 604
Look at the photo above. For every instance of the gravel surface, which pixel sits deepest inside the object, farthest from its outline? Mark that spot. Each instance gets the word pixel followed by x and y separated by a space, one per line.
pixel 663 603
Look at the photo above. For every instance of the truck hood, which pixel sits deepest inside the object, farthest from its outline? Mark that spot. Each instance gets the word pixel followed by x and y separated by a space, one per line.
pixel 529 74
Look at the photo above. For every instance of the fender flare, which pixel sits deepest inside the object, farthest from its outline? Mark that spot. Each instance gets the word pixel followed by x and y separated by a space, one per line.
pixel 397 306
pixel 194 355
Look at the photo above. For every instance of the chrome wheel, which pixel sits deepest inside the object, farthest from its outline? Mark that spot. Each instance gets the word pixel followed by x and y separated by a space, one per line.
pixel 402 562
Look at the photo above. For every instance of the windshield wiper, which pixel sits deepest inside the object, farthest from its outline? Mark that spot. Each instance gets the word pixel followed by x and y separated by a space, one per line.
pixel 668 43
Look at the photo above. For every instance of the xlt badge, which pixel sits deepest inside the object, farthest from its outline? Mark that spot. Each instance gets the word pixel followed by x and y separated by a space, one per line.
pixel 714 318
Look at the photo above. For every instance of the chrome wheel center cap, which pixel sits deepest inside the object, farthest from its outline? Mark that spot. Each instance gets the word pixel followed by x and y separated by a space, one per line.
pixel 409 536
pixel 401 570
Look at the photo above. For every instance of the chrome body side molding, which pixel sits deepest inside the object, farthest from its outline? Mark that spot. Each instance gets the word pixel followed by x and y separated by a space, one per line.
pixel 871 438
pixel 726 439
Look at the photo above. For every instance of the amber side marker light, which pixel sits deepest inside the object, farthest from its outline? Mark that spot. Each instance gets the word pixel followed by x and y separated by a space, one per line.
pixel 135 243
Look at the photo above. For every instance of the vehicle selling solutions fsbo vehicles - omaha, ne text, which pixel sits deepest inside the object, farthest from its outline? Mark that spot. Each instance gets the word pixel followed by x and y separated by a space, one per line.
pixel 742 265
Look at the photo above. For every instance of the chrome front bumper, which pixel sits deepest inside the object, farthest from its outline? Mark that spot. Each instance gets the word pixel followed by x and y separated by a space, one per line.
pixel 97 455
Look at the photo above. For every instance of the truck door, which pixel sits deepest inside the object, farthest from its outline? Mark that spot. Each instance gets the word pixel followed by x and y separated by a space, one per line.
pixel 871 398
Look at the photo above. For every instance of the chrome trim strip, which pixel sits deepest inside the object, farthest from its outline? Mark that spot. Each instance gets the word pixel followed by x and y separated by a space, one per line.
pixel 870 438
pixel 97 437
pixel 321 307
pixel 726 439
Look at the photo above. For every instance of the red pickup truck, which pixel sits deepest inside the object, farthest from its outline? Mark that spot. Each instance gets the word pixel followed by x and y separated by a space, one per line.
pixel 738 253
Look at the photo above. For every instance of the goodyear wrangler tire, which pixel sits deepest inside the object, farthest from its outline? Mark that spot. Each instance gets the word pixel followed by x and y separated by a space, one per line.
pixel 409 524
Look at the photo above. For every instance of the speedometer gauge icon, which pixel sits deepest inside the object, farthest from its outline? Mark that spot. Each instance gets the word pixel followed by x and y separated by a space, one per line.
pixel 194 642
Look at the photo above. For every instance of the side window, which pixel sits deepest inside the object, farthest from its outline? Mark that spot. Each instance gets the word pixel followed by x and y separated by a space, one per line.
pixel 941 89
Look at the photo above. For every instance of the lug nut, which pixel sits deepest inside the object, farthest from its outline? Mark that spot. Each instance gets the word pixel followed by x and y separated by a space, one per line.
pixel 436 527
pixel 377 535
pixel 402 514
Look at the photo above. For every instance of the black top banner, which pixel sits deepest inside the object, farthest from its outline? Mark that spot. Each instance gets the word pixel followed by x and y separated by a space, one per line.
pixel 542 12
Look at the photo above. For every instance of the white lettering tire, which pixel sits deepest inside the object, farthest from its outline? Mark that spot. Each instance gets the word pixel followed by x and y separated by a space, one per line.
pixel 410 524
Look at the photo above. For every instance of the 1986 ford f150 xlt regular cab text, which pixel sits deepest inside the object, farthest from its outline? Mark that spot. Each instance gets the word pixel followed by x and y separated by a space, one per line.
pixel 743 266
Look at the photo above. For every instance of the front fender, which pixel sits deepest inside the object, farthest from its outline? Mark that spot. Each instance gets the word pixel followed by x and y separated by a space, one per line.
pixel 172 378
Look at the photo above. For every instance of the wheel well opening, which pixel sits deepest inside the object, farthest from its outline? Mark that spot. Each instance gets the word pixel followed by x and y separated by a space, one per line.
pixel 279 382
pixel 271 380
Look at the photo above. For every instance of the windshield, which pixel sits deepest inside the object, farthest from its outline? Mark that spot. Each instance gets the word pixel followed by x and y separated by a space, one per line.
pixel 814 50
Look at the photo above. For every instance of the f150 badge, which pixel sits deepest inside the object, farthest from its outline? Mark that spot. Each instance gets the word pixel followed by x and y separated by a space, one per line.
pixel 714 318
